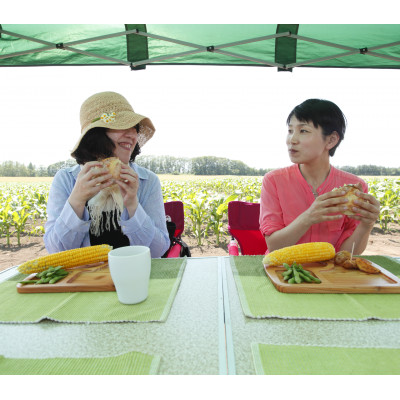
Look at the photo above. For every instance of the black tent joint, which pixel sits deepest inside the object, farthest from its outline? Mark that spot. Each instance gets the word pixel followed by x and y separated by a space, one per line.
pixel 60 46
pixel 210 48
pixel 364 50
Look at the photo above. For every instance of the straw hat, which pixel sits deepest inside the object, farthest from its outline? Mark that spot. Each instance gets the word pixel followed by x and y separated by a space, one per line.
pixel 111 110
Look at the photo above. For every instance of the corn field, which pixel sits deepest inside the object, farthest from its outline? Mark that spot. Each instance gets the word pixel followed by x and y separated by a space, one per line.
pixel 23 205
pixel 22 209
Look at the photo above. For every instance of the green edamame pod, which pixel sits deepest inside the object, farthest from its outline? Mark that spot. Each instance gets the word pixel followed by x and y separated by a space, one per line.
pixel 312 277
pixel 291 280
pixel 29 281
pixel 304 277
pixel 56 278
pixel 296 276
pixel 62 272
pixel 299 267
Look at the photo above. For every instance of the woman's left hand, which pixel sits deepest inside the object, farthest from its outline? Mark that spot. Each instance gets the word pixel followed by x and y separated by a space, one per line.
pixel 129 185
pixel 367 210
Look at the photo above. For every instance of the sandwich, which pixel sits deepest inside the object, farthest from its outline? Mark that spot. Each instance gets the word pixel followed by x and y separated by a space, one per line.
pixel 113 164
pixel 350 196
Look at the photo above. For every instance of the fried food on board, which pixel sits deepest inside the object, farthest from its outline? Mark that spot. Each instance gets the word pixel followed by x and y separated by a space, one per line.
pixel 344 259
pixel 366 266
pixel 350 264
pixel 351 196
pixel 341 257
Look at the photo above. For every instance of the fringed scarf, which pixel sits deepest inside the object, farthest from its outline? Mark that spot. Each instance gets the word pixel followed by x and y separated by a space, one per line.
pixel 104 205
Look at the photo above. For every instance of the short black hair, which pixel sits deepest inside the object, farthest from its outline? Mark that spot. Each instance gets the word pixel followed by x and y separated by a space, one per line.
pixel 96 145
pixel 323 113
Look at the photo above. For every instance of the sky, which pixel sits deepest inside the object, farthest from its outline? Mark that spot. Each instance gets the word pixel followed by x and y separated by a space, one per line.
pixel 234 112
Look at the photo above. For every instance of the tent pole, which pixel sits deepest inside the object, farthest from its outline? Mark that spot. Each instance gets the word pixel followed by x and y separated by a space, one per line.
pixel 307 39
pixel 258 39
pixel 372 53
pixel 31 39
pixel 299 64
pixel 103 37
pixel 259 61
pixel 161 58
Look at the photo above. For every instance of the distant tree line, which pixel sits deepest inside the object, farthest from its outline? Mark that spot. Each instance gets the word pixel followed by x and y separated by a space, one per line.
pixel 206 165
pixel 14 168
pixel 372 170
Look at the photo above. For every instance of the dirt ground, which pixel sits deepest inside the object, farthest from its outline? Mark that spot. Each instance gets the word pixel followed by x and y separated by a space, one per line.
pixel 32 247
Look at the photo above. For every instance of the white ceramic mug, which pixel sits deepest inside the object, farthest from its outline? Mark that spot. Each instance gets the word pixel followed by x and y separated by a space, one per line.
pixel 130 271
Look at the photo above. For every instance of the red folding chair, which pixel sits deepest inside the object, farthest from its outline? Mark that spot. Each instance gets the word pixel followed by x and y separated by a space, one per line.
pixel 174 210
pixel 244 226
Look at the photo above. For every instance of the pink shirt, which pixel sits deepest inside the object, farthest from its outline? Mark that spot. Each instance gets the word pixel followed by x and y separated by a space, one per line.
pixel 285 194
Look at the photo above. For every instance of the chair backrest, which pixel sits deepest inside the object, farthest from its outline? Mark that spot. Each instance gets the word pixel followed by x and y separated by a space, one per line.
pixel 175 210
pixel 244 226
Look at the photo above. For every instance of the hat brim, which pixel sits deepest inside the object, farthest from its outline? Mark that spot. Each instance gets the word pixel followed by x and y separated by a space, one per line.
pixel 125 120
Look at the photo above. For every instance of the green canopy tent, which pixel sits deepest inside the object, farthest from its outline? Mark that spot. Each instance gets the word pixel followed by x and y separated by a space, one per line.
pixel 284 46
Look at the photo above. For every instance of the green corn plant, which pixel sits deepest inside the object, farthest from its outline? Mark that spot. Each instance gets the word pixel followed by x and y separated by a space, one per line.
pixel 197 213
pixel 19 220
pixel 6 220
pixel 387 192
pixel 218 210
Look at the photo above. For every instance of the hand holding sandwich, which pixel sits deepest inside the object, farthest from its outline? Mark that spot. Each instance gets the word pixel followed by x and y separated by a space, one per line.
pixel 92 178
pixel 129 185
pixel 361 206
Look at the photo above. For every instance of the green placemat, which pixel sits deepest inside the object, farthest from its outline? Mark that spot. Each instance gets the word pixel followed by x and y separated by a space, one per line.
pixel 260 299
pixel 314 360
pixel 132 363
pixel 95 307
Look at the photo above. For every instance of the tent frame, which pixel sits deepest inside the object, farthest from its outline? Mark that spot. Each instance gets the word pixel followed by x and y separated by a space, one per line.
pixel 199 49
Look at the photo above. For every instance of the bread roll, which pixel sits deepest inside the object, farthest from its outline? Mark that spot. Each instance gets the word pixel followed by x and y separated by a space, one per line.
pixel 351 196
pixel 113 164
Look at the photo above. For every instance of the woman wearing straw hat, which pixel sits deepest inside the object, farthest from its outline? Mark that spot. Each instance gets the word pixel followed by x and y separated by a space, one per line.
pixel 86 205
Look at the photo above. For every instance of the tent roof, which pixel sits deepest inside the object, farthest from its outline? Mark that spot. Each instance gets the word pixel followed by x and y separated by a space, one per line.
pixel 284 46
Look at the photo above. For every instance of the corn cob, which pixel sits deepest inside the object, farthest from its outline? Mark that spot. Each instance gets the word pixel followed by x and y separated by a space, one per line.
pixel 68 259
pixel 300 253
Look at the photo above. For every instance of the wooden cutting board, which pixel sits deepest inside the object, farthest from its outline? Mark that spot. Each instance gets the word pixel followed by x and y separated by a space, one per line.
pixel 336 279
pixel 92 278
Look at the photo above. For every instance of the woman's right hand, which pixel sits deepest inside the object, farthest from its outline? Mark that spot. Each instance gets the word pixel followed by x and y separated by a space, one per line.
pixel 324 206
pixel 89 182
